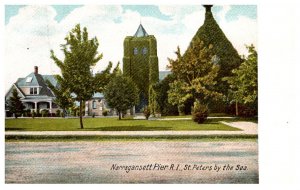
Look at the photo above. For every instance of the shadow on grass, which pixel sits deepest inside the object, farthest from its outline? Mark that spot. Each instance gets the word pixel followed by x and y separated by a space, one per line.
pixel 14 129
pixel 129 128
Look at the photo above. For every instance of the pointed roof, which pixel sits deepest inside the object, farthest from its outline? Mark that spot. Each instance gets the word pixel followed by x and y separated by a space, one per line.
pixel 141 32
pixel 37 80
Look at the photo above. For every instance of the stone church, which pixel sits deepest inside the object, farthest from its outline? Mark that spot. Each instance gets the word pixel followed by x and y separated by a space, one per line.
pixel 140 62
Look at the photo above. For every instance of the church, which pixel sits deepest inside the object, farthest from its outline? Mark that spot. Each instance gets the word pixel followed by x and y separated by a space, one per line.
pixel 140 62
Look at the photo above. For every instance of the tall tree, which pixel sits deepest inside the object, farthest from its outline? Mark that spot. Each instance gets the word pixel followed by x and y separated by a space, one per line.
pixel 15 104
pixel 76 69
pixel 195 74
pixel 121 93
pixel 161 89
pixel 243 83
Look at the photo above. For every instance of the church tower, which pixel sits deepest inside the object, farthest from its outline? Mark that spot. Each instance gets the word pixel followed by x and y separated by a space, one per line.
pixel 140 62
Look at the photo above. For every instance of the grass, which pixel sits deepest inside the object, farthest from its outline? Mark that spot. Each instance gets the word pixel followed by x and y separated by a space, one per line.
pixel 111 124
pixel 23 138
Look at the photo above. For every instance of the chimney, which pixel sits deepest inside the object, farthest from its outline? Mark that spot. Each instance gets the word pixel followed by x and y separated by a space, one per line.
pixel 36 70
pixel 208 7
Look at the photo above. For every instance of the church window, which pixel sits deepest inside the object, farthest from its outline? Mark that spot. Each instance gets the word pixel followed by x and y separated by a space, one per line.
pixel 135 51
pixel 145 50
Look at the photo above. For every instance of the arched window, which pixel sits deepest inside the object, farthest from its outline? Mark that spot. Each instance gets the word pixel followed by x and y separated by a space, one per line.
pixel 145 51
pixel 135 51
pixel 94 104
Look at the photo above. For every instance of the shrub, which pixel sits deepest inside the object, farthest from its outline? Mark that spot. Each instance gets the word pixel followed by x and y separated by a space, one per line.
pixel 93 114
pixel 62 114
pixel 58 113
pixel 44 113
pixel 181 109
pixel 200 112
pixel 27 113
pixel 33 114
pixel 147 112
pixel 37 114
pixel 105 112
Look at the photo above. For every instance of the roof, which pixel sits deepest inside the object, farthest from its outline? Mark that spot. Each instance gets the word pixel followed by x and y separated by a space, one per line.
pixel 141 32
pixel 163 74
pixel 34 79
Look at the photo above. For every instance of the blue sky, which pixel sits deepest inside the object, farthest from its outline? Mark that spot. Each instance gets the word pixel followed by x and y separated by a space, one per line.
pixel 145 10
pixel 37 29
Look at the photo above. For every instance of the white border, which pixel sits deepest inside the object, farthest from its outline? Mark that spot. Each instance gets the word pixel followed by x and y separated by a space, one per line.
pixel 279 88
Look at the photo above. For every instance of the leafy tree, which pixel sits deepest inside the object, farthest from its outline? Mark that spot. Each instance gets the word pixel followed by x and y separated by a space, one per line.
pixel 161 89
pixel 63 97
pixel 121 93
pixel 195 75
pixel 80 56
pixel 243 83
pixel 15 104
pixel 153 106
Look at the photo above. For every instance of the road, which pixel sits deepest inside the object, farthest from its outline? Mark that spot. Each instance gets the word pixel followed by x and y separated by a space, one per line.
pixel 105 162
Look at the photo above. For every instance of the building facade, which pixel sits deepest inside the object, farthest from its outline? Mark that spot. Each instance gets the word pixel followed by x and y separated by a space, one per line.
pixel 34 92
pixel 37 96
pixel 140 62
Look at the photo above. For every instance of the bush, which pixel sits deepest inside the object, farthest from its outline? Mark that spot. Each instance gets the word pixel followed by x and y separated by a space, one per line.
pixel 200 112
pixel 105 112
pixel 93 114
pixel 181 109
pixel 147 112
pixel 58 113
pixel 44 113
pixel 27 113
pixel 33 114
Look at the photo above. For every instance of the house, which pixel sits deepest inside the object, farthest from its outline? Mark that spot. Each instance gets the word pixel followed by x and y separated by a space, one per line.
pixel 34 92
pixel 36 95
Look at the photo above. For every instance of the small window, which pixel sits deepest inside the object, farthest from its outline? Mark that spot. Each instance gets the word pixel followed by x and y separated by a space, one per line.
pixel 33 91
pixel 145 51
pixel 28 79
pixel 94 105
pixel 135 51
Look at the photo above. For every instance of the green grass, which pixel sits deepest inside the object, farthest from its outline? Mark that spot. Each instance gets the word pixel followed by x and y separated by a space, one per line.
pixel 202 138
pixel 111 124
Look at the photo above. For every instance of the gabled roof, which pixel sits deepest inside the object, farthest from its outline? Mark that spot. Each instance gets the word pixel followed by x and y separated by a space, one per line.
pixel 35 79
pixel 141 32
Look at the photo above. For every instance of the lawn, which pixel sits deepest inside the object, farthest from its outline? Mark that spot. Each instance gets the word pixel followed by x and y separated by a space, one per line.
pixel 110 124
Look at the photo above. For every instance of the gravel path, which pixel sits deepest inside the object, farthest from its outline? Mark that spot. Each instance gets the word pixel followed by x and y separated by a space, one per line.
pixel 92 162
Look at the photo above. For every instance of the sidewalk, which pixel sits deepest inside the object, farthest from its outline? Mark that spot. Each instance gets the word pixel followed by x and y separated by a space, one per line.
pixel 247 128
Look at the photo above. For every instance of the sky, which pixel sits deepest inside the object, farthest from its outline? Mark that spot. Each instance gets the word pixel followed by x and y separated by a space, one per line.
pixel 32 31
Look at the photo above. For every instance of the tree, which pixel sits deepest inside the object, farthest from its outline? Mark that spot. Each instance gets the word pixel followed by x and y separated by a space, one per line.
pixel 152 101
pixel 15 104
pixel 121 93
pixel 195 74
pixel 76 69
pixel 161 89
pixel 243 83
pixel 63 96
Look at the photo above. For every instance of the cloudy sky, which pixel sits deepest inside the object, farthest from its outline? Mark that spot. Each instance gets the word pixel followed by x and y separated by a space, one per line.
pixel 32 31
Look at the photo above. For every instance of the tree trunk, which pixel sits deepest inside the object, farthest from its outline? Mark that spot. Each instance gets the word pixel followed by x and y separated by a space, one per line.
pixel 236 108
pixel 119 115
pixel 80 114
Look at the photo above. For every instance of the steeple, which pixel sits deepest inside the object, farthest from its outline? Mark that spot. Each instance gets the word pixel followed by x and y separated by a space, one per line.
pixel 208 7
pixel 141 32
